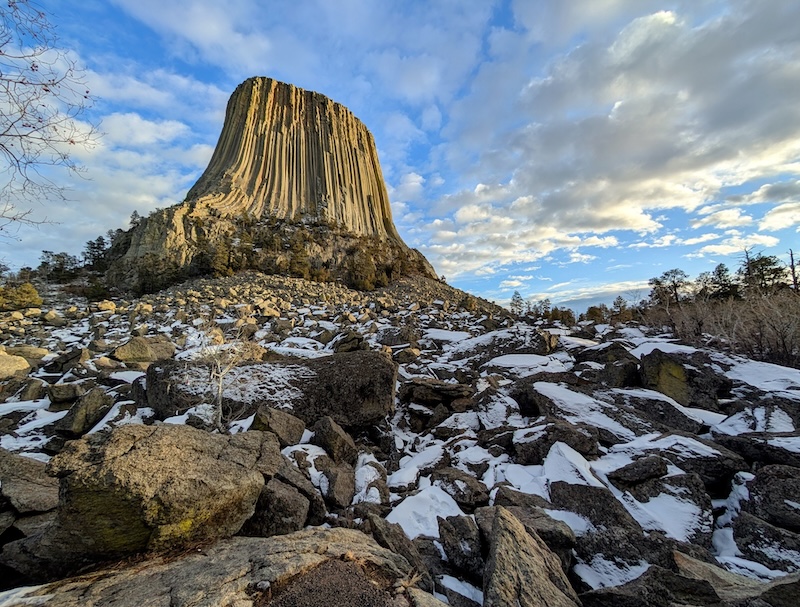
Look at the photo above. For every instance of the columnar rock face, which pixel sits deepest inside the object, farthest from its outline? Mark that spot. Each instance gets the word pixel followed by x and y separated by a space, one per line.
pixel 294 187
pixel 294 154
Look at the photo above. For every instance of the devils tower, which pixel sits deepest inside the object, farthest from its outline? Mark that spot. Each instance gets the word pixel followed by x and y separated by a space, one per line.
pixel 294 187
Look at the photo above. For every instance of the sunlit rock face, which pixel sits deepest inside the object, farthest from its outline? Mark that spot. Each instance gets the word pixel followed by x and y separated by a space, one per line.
pixel 294 187
pixel 295 155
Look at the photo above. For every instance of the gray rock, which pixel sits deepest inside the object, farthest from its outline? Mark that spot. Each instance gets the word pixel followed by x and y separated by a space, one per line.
pixel 461 541
pixel 604 353
pixel 337 443
pixel 763 543
pixel 288 428
pixel 520 339
pixel 714 464
pixel 280 509
pixel 391 536
pixel 534 450
pixel 68 360
pixel 736 589
pixel 687 378
pixel 639 471
pixel 468 492
pixel 356 389
pixel 85 413
pixel 65 393
pixel 238 571
pixel 341 485
pixel 347 341
pixel 657 587
pixel 431 392
pixel 774 496
pixel 760 447
pixel 521 570
pixel 597 504
pixel 684 488
pixel 145 349
pixel 557 535
pixel 398 336
pixel 25 484
pixel 290 475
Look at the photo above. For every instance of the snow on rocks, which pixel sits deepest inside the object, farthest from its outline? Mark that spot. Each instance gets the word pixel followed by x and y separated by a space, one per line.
pixel 617 470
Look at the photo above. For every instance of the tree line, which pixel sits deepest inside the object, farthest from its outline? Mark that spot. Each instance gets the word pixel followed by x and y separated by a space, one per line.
pixel 753 310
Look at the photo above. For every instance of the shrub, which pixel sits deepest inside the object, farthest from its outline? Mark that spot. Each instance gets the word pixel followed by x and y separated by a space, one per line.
pixel 17 298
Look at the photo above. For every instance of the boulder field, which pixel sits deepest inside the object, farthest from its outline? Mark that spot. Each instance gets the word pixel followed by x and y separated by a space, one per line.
pixel 259 440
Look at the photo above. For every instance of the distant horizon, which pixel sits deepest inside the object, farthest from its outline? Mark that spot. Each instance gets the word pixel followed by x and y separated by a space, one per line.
pixel 567 150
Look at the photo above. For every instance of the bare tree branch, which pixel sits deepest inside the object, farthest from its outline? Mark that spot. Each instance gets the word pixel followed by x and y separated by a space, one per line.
pixel 43 95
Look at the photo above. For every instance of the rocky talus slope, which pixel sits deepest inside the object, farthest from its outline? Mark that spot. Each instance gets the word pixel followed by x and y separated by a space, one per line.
pixel 294 185
pixel 261 440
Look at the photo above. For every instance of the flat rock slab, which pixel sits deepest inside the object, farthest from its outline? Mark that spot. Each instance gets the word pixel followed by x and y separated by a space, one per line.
pixel 242 571
pixel 356 389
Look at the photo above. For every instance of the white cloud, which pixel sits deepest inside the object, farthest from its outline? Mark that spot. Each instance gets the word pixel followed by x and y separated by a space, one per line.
pixel 780 217
pixel 701 239
pixel 726 218
pixel 410 187
pixel 736 244
pixel 131 129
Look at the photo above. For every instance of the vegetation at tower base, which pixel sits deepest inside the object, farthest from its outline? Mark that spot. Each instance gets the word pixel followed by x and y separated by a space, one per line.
pixel 294 188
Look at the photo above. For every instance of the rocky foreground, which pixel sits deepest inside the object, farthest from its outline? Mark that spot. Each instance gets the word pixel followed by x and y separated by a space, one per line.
pixel 271 441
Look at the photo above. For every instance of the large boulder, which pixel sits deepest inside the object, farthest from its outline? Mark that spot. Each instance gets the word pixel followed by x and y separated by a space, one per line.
pixel 356 389
pixel 330 436
pixel 13 366
pixel 531 445
pixel 656 587
pixel 288 428
pixel 468 492
pixel 461 542
pixel 145 349
pixel 736 589
pixel 521 570
pixel 392 537
pixel 767 544
pixel 432 392
pixel 145 488
pixel 85 413
pixel 24 484
pixel 280 509
pixel 302 568
pixel 532 513
pixel 774 496
pixel 690 379
pixel 519 339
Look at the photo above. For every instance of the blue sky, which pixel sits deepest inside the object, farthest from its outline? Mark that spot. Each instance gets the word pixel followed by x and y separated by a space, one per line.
pixel 568 149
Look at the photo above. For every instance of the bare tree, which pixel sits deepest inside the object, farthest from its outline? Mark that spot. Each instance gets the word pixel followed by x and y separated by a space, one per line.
pixel 43 95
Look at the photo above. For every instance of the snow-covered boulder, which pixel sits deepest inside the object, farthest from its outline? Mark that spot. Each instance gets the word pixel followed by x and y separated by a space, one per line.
pixel 356 389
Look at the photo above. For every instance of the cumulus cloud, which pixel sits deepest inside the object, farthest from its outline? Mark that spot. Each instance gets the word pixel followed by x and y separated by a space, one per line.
pixel 726 218
pixel 629 122
pixel 781 217
pixel 736 244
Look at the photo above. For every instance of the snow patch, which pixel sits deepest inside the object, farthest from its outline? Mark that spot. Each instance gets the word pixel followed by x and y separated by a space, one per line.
pixel 417 514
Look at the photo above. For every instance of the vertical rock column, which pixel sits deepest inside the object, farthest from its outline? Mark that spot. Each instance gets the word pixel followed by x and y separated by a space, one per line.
pixel 293 154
